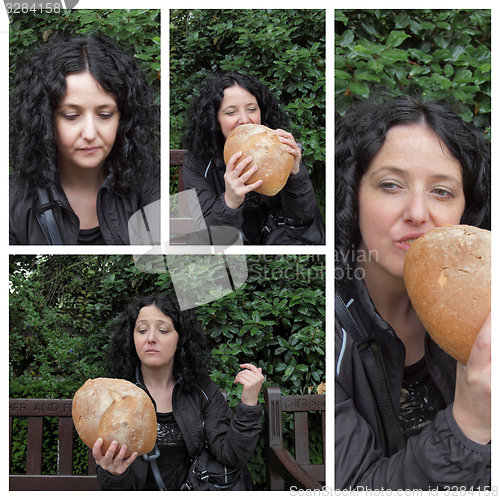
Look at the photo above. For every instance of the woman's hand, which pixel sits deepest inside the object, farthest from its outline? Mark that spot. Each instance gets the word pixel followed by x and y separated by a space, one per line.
pixel 114 465
pixel 251 379
pixel 472 404
pixel 236 189
pixel 294 149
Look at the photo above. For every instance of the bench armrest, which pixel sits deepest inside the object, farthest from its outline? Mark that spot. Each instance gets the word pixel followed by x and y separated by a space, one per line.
pixel 286 466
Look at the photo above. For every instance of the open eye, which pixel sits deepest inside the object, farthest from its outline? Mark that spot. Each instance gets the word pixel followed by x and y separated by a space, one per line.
pixel 442 192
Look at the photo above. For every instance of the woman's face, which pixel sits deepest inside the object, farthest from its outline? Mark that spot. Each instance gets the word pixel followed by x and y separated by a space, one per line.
pixel 86 122
pixel 155 338
pixel 238 107
pixel 412 185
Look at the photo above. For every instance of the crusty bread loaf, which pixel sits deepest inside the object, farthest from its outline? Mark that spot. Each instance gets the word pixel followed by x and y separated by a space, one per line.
pixel 267 151
pixel 115 409
pixel 447 274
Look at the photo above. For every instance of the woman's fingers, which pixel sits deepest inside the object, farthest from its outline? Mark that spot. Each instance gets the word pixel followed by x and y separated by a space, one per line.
pixel 472 403
pixel 112 462
pixel 251 378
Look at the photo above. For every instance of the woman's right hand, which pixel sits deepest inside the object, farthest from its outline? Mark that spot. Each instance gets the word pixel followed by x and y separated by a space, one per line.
pixel 472 404
pixel 236 189
pixel 115 465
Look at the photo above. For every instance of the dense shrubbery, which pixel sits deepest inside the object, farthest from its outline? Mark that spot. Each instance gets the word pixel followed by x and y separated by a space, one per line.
pixel 285 49
pixel 438 54
pixel 61 308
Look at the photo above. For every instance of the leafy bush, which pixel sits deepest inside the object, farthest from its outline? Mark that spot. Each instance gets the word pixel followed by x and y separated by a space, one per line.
pixel 439 54
pixel 61 308
pixel 285 49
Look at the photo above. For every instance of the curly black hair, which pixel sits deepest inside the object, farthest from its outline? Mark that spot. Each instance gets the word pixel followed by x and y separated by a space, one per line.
pixel 204 138
pixel 191 358
pixel 362 132
pixel 38 87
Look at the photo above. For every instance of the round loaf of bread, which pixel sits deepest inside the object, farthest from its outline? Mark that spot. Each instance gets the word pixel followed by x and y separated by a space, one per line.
pixel 267 151
pixel 447 273
pixel 115 410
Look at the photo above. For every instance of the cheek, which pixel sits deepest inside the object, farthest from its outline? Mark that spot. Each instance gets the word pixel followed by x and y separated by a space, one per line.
pixel 63 135
pixel 109 133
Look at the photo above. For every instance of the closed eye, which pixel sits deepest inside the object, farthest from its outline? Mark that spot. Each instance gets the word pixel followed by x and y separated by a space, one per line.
pixel 390 186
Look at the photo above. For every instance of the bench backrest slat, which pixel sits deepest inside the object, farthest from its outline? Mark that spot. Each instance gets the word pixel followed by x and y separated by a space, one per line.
pixel 34 446
pixel 65 458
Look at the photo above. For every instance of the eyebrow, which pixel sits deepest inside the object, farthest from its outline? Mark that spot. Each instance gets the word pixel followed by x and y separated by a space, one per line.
pixel 236 106
pixel 78 106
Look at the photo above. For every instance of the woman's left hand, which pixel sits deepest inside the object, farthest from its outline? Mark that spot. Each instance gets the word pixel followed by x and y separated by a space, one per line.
pixel 251 379
pixel 294 149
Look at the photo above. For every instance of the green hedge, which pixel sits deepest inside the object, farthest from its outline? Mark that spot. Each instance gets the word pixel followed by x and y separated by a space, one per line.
pixel 285 49
pixel 438 54
pixel 61 308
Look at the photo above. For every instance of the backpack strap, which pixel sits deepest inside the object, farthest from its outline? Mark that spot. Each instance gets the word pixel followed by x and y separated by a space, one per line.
pixel 371 356
pixel 47 219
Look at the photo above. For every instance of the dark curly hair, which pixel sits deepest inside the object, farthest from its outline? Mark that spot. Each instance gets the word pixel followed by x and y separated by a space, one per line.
pixel 362 132
pixel 204 138
pixel 38 87
pixel 191 357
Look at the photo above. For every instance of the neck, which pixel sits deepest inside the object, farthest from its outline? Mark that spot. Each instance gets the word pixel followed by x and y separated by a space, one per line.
pixel 158 378
pixel 84 179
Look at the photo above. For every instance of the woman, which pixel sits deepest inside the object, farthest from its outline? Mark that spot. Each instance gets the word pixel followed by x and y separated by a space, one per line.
pixel 83 127
pixel 224 103
pixel 402 168
pixel 163 350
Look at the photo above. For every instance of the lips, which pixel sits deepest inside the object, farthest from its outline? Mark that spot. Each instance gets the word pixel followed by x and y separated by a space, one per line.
pixel 405 242
pixel 89 150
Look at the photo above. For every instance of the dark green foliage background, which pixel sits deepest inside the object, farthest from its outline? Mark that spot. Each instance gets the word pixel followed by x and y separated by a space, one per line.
pixel 438 54
pixel 62 306
pixel 285 49
pixel 136 31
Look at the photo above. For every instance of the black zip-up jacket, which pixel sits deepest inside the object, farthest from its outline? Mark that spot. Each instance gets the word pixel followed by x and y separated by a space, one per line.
pixel 296 201
pixel 440 456
pixel 201 413
pixel 113 211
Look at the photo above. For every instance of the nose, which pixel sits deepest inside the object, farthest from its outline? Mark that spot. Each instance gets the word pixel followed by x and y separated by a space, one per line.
pixel 243 118
pixel 151 336
pixel 89 129
pixel 416 210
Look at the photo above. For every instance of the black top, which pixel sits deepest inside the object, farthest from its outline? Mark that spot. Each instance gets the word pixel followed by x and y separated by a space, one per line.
pixel 91 237
pixel 173 461
pixel 420 399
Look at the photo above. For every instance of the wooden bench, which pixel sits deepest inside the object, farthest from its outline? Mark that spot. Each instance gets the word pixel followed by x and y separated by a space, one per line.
pixel 35 410
pixel 181 224
pixel 283 470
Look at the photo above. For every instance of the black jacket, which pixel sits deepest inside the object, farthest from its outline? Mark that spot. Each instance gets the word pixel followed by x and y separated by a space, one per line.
pixel 296 201
pixel 204 412
pixel 439 456
pixel 113 211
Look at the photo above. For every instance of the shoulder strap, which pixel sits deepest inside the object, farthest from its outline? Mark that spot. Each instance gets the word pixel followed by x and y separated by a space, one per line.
pixel 152 458
pixel 373 363
pixel 47 219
